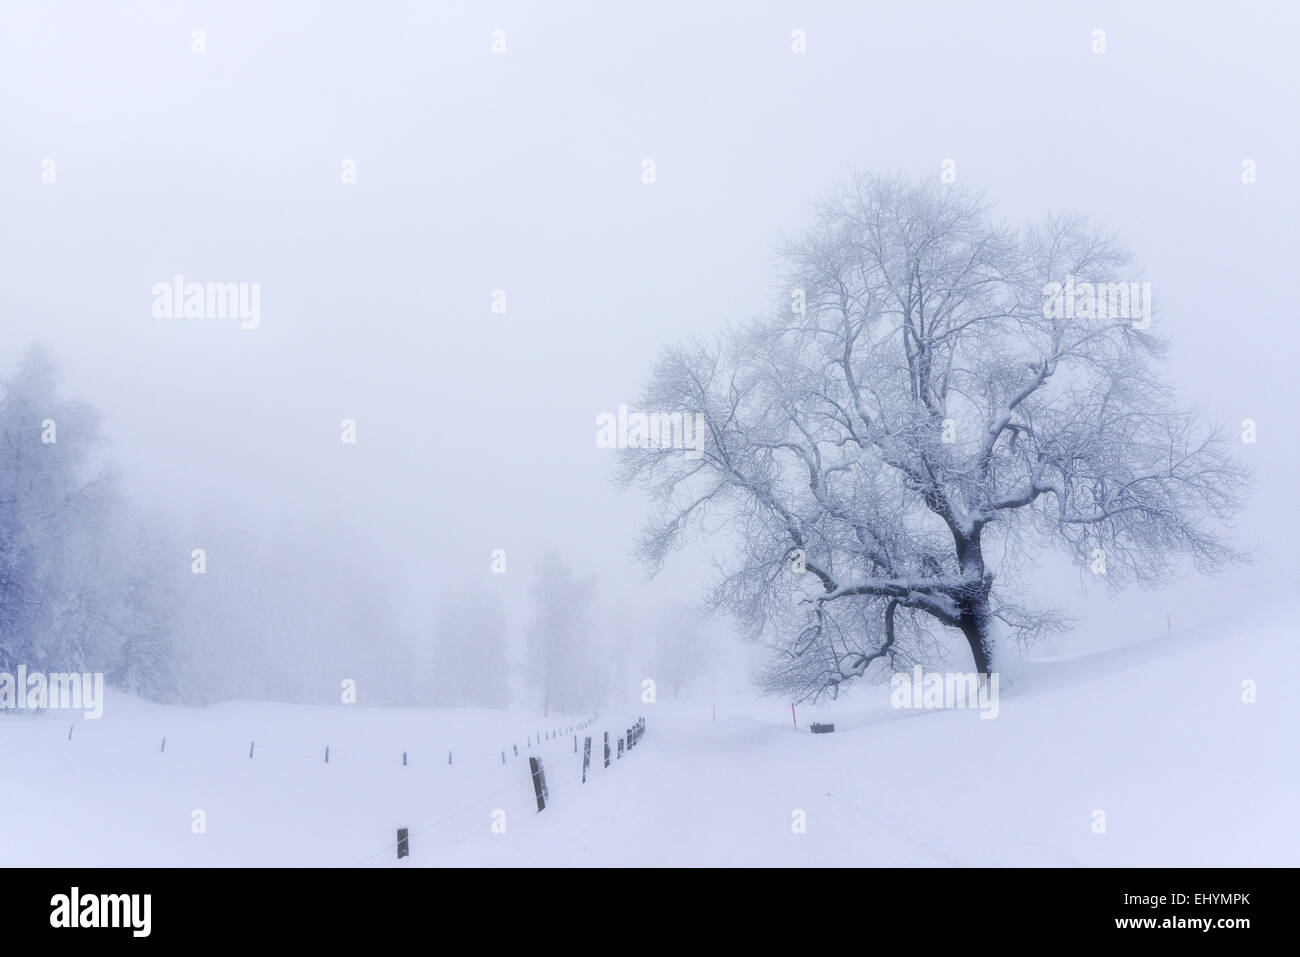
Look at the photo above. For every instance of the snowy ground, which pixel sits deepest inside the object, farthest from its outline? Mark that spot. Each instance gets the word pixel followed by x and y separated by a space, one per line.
pixel 1155 734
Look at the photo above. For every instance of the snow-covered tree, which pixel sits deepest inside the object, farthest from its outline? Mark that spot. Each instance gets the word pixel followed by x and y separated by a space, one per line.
pixel 936 398
pixel 79 587
pixel 561 667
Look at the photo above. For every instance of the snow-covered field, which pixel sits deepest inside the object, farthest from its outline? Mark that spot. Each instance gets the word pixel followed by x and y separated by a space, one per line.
pixel 1155 734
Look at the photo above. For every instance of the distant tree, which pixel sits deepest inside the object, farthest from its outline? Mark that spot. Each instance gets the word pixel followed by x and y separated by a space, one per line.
pixel 288 611
pixel 936 398
pixel 145 609
pixel 619 638
pixel 469 657
pixel 681 648
pixel 560 665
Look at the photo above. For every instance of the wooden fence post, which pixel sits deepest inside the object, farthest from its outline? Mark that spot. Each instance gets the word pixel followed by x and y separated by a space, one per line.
pixel 403 759
pixel 620 748
pixel 403 843
pixel 449 756
pixel 606 749
pixel 327 754
pixel 586 758
pixel 539 781
pixel 251 745
pixel 164 746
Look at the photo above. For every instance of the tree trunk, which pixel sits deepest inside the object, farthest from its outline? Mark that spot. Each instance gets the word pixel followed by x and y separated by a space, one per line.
pixel 976 614
pixel 976 619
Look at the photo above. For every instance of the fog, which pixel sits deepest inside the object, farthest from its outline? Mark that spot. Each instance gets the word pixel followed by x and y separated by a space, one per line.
pixel 516 177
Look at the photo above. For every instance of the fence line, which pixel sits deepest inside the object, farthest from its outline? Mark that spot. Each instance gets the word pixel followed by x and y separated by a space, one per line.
pixel 557 745
pixel 541 797
pixel 306 754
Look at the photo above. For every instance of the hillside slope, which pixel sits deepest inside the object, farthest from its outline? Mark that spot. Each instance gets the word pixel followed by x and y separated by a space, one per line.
pixel 1156 735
